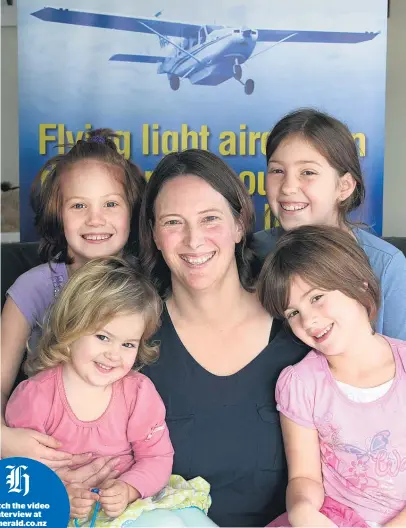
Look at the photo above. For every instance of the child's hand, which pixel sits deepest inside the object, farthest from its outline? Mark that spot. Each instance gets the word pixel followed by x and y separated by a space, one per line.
pixel 81 500
pixel 305 514
pixel 115 497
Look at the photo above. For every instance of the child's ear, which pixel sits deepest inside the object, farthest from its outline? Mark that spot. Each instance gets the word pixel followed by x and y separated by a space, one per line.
pixel 365 286
pixel 347 185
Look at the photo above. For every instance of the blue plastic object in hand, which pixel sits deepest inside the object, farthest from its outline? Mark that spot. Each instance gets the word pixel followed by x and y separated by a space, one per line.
pixel 96 511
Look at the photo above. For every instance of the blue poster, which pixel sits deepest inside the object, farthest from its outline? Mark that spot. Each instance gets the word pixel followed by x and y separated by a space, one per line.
pixel 215 75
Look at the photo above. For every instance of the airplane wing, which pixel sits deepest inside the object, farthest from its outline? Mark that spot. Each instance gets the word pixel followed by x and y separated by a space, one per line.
pixel 122 23
pixel 158 26
pixel 328 37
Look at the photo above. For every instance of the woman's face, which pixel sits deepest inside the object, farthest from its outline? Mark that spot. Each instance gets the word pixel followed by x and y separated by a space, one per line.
pixel 196 232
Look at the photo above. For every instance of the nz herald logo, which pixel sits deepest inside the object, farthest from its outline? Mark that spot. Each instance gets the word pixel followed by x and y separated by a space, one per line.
pixel 18 480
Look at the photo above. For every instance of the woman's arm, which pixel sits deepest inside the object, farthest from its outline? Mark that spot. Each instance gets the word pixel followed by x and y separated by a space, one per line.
pixel 15 332
pixel 22 439
pixel 305 492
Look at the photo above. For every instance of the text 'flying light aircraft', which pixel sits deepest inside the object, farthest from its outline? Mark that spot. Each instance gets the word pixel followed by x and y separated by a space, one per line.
pixel 204 54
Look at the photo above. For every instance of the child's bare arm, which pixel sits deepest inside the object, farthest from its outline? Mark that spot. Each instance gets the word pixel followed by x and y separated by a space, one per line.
pixel 399 520
pixel 15 332
pixel 305 492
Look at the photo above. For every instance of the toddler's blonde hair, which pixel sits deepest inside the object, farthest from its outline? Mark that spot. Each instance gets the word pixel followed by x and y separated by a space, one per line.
pixel 100 290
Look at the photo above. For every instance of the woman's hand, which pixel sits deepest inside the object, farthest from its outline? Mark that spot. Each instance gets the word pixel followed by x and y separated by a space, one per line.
pixel 31 444
pixel 78 482
pixel 91 475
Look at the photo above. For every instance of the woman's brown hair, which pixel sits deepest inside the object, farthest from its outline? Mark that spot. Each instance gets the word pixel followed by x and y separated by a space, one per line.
pixel 325 257
pixel 46 196
pixel 224 180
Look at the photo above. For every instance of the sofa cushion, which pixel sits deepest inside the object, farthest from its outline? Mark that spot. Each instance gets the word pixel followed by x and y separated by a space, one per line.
pixel 399 242
pixel 16 259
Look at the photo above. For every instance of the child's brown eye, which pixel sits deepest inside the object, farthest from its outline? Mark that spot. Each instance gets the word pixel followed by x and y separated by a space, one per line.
pixel 316 298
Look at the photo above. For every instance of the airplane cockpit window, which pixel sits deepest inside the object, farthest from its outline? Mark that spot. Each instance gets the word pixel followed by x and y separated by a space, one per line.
pixel 192 42
pixel 202 35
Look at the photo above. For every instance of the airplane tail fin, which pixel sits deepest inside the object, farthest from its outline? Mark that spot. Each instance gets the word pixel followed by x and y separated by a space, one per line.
pixel 149 59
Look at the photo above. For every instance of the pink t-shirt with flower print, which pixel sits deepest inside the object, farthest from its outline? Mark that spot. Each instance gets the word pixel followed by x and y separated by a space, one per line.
pixel 362 445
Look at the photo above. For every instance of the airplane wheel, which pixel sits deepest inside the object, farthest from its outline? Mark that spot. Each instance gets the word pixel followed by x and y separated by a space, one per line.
pixel 174 82
pixel 249 86
pixel 237 71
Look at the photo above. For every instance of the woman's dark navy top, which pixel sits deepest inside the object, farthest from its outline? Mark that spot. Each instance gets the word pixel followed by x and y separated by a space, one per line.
pixel 226 428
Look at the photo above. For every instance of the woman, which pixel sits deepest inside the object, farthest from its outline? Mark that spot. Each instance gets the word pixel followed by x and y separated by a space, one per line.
pixel 220 353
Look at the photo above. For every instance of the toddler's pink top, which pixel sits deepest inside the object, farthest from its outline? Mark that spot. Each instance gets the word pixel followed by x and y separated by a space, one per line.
pixel 363 445
pixel 132 427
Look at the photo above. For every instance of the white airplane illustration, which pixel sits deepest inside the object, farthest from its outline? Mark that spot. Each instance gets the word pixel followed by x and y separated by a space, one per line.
pixel 204 54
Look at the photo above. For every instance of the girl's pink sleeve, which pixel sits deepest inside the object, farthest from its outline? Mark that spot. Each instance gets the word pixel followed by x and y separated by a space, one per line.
pixel 293 398
pixel 148 433
pixel 29 406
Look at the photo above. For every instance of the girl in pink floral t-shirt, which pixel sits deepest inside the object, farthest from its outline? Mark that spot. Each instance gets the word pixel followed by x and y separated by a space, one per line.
pixel 342 407
pixel 85 393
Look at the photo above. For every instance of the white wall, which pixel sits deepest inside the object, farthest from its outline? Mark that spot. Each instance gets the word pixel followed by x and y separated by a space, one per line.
pixel 394 212
pixel 9 105
pixel 394 202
